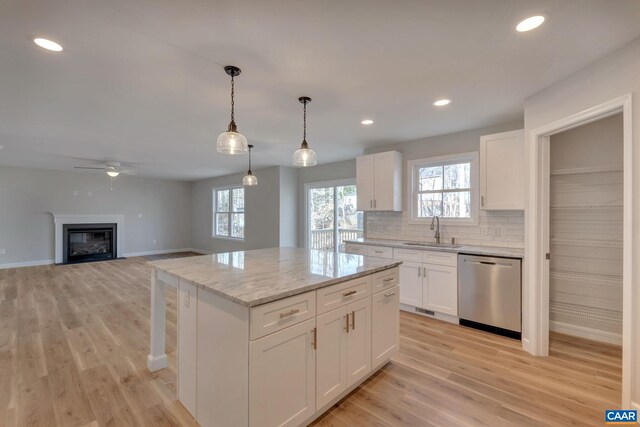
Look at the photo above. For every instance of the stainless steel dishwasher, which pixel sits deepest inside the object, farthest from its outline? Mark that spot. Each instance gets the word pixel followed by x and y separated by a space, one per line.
pixel 489 294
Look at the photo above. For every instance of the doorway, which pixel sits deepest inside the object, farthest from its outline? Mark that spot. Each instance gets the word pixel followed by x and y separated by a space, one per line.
pixel 331 216
pixel 536 289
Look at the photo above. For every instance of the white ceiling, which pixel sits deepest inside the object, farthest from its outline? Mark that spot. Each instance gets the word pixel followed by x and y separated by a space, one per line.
pixel 141 81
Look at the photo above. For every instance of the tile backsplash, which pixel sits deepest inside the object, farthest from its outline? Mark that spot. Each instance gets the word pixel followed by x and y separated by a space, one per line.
pixel 494 228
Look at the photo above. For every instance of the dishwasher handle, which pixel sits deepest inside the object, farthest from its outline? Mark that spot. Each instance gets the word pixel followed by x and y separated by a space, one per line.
pixel 497 264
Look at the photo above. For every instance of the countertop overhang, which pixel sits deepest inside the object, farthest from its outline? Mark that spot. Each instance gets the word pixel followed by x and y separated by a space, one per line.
pixel 260 276
pixel 463 249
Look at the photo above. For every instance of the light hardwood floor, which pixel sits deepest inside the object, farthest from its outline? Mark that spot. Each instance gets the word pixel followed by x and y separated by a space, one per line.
pixel 74 341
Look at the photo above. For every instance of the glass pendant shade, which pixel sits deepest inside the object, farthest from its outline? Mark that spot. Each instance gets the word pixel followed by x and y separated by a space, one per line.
pixel 231 142
pixel 249 180
pixel 113 174
pixel 304 156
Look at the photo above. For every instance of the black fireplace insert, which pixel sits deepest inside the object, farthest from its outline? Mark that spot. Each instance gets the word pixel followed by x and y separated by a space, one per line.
pixel 89 242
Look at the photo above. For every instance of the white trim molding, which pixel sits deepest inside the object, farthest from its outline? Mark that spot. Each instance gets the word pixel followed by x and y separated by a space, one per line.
pixel 26 264
pixel 536 275
pixel 588 333
pixel 59 220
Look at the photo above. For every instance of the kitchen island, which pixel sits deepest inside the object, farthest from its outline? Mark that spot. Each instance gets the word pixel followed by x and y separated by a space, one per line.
pixel 276 336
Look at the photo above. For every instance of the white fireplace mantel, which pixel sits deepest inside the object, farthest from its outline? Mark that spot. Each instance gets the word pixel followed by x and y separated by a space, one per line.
pixel 59 220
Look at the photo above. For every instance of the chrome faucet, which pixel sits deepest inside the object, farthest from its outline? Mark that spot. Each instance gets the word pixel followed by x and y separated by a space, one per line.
pixel 437 221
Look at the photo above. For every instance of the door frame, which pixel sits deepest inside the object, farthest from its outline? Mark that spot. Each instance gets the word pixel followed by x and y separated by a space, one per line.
pixel 322 184
pixel 536 283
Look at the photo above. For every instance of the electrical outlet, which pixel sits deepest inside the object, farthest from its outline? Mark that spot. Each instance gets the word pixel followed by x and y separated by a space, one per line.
pixel 3 251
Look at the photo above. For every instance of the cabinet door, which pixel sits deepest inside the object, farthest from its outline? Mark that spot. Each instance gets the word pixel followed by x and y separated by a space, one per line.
pixel 282 376
pixel 411 283
pixel 441 289
pixel 385 182
pixel 365 174
pixel 359 340
pixel 385 325
pixel 331 355
pixel 187 321
pixel 502 171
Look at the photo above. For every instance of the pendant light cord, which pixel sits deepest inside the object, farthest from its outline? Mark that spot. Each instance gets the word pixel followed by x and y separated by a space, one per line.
pixel 232 96
pixel 304 126
pixel 249 159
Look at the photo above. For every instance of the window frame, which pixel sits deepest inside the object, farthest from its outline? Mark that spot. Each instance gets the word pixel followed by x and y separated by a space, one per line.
pixel 412 189
pixel 229 214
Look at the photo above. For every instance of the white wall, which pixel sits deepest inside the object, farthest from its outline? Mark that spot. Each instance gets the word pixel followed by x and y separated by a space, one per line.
pixel 28 195
pixel 395 225
pixel 611 77
pixel 263 211
pixel 289 207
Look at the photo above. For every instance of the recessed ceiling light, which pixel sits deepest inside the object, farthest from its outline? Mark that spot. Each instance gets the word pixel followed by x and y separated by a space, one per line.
pixel 530 23
pixel 442 102
pixel 367 122
pixel 48 44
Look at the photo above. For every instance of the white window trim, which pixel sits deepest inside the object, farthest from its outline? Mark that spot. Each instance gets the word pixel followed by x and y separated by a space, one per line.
pixel 412 165
pixel 214 209
pixel 307 208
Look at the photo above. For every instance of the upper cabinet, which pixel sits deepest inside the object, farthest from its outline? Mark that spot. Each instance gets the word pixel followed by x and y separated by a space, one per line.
pixel 379 181
pixel 502 171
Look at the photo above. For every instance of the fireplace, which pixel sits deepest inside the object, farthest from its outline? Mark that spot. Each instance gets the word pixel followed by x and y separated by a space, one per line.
pixel 89 242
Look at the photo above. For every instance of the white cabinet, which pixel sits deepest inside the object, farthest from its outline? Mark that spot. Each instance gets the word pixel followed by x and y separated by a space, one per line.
pixel 411 283
pixel 358 341
pixel 379 181
pixel 502 171
pixel 385 320
pixel 187 321
pixel 344 349
pixel 431 284
pixel 283 377
pixel 441 289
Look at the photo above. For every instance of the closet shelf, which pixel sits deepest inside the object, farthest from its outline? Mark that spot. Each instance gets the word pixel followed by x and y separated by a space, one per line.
pixel 589 206
pixel 588 243
pixel 590 278
pixel 587 170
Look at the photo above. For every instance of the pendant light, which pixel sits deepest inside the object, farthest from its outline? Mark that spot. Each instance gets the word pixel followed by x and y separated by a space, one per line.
pixel 232 142
pixel 249 179
pixel 304 156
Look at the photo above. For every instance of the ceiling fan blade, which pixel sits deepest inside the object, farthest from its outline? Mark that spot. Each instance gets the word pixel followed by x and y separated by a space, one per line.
pixel 89 167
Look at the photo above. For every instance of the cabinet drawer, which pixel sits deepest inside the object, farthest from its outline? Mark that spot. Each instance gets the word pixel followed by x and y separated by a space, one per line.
pixel 440 258
pixel 274 316
pixel 380 252
pixel 343 293
pixel 407 255
pixel 385 279
pixel 351 248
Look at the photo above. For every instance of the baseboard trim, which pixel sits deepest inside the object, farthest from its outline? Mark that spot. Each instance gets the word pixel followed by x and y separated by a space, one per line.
pixel 26 264
pixel 636 406
pixel 157 252
pixel 588 333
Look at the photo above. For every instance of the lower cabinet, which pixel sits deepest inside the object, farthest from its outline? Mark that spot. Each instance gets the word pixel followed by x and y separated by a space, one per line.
pixel 386 322
pixel 282 377
pixel 411 283
pixel 343 355
pixel 186 359
pixel 441 289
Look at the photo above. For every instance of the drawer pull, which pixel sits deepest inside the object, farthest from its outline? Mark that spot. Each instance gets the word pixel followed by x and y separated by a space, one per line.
pixel 388 279
pixel 378 252
pixel 390 294
pixel 289 313
pixel 346 294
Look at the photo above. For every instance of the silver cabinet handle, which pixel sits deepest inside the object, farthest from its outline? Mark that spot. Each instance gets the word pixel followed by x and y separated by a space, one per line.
pixel 370 203
pixel 390 294
pixel 375 203
pixel 314 344
pixel 419 268
pixel 347 318
pixel 388 279
pixel 289 313
pixel 424 272
pixel 481 200
pixel 353 320
pixel 346 294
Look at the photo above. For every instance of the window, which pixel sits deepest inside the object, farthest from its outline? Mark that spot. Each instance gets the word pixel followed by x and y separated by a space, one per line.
pixel 228 221
pixel 444 187
pixel 332 215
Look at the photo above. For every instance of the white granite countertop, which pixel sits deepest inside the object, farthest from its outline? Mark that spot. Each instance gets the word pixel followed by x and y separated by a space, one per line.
pixel 260 276
pixel 463 249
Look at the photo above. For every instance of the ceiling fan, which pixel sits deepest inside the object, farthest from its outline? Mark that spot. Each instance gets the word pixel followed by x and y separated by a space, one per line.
pixel 112 169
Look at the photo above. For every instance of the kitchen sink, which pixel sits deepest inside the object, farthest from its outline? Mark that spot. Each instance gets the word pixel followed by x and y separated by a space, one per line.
pixel 433 245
